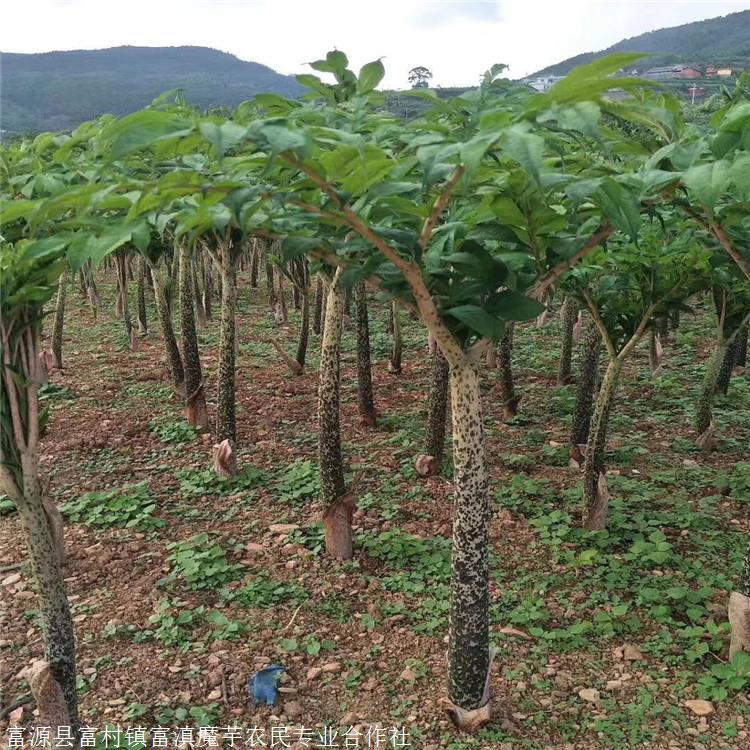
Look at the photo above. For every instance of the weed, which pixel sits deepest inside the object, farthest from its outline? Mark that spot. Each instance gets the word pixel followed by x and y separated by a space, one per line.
pixel 130 506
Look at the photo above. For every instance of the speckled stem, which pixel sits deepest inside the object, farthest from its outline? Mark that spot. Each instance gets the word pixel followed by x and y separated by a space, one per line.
pixel 438 407
pixel 595 511
pixel 254 265
pixel 196 411
pixel 592 346
pixel 142 319
pixel 22 421
pixel 162 284
pixel 364 367
pixel 727 365
pixel 741 358
pixel 318 311
pixel 225 412
pixel 57 329
pixel 569 316
pixel 505 366
pixel 270 286
pixel 304 329
pixel 330 459
pixel 396 351
pixel 468 644
pixel 704 409
pixel 122 285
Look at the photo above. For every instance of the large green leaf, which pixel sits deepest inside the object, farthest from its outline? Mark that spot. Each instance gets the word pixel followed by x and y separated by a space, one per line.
pixel 224 136
pixel 510 305
pixel 478 320
pixel 527 149
pixel 142 129
pixel 707 182
pixel 370 75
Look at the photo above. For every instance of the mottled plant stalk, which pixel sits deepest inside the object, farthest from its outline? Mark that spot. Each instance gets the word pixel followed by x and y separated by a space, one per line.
pixel 226 425
pixel 704 410
pixel 162 294
pixel 437 409
pixel 741 358
pixel 270 285
pixel 142 319
pixel 318 311
pixel 20 480
pixel 281 310
pixel 394 363
pixel 197 282
pixel 304 330
pixel 296 297
pixel 725 371
pixel 569 316
pixel 122 284
pixel 196 412
pixel 208 288
pixel 594 501
pixel 57 328
pixel 254 265
pixel 508 395
pixel 579 433
pixel 91 291
pixel 364 367
pixel 468 646
pixel 337 513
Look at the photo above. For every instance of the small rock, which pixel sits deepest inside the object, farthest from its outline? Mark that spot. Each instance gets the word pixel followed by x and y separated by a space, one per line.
pixel 313 673
pixel 589 694
pixel 516 632
pixel 11 579
pixel 332 667
pixel 214 677
pixel 409 675
pixel 632 653
pixel 25 594
pixel 292 709
pixel 214 695
pixel 699 707
pixel 613 685
pixel 254 547
pixel 283 528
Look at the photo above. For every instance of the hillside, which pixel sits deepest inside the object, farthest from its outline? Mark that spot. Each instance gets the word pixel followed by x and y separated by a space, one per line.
pixel 724 40
pixel 58 90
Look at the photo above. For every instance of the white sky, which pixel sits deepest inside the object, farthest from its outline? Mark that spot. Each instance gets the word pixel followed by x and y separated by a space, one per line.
pixel 456 40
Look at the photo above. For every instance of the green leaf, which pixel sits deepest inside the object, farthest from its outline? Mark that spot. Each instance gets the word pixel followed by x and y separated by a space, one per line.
pixel 591 81
pixel 142 129
pixel 18 209
pixel 740 175
pixel 527 149
pixel 357 169
pixel 314 83
pixel 707 182
pixel 370 75
pixel 511 305
pixel 278 136
pixel 620 206
pixel 224 136
pixel 478 320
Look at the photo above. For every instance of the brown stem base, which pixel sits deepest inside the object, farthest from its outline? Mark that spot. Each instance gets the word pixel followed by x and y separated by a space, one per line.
pixel 739 620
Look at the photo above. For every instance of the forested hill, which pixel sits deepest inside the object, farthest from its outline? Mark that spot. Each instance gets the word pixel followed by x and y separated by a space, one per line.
pixel 723 40
pixel 59 90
